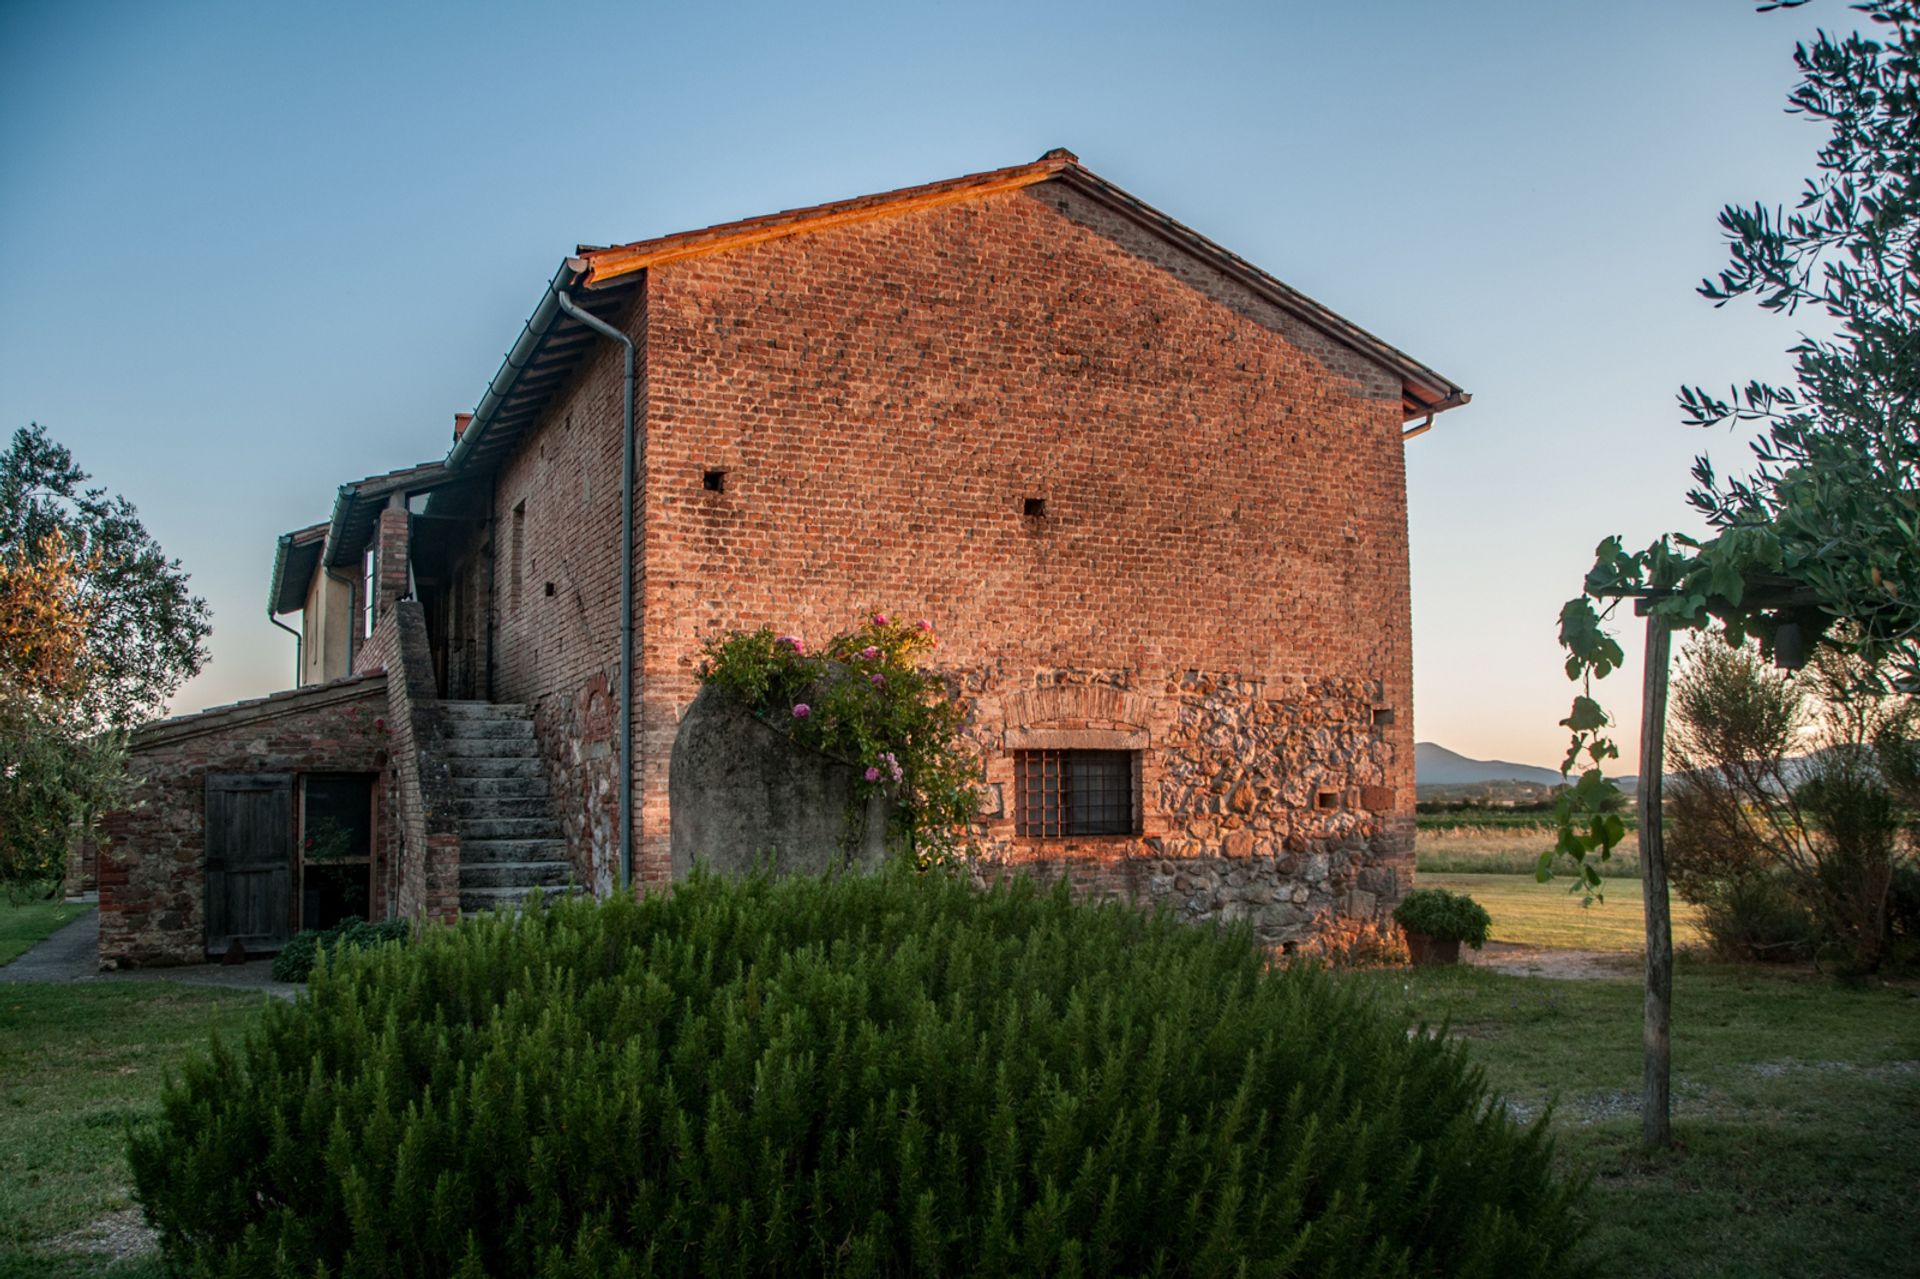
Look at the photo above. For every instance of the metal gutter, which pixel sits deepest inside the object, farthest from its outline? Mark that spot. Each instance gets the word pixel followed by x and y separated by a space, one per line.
pixel 532 333
pixel 280 549
pixel 337 522
pixel 273 598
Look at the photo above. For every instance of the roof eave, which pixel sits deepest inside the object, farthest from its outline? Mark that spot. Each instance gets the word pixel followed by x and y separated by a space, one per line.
pixel 280 548
pixel 532 334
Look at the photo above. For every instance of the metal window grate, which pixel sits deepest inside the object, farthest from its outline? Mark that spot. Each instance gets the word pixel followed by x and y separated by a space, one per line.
pixel 1066 793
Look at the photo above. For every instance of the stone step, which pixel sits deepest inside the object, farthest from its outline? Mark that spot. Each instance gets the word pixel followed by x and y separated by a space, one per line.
pixel 475 901
pixel 485 828
pixel 476 730
pixel 484 710
pixel 487 807
pixel 513 850
pixel 520 875
pixel 491 748
pixel 468 766
pixel 534 787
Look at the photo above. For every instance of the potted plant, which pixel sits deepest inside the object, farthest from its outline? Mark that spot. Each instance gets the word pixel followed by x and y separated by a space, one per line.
pixel 1437 921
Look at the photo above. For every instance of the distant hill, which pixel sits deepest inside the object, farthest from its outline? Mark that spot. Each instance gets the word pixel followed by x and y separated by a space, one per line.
pixel 1435 765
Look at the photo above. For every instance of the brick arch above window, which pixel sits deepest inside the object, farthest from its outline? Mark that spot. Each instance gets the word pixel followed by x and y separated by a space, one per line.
pixel 1067 707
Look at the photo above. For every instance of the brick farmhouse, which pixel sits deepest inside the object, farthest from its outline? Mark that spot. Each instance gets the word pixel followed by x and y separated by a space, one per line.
pixel 1152 500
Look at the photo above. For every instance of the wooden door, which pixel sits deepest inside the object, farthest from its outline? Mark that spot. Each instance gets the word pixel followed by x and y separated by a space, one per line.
pixel 249 860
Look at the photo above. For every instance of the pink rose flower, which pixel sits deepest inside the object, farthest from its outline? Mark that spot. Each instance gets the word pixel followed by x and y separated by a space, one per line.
pixel 877 679
pixel 879 619
pixel 801 710
pixel 869 653
pixel 792 642
pixel 924 625
pixel 873 774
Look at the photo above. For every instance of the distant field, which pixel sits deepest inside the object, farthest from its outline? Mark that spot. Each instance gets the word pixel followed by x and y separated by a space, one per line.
pixel 1530 913
pixel 1512 849
pixel 1483 817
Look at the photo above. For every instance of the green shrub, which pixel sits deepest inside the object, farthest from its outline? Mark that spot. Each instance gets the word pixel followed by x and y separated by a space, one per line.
pixel 296 959
pixel 1755 916
pixel 1444 916
pixel 871 1076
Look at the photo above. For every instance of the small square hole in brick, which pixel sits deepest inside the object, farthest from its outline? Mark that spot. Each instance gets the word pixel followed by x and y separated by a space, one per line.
pixel 714 481
pixel 549 590
pixel 1382 716
pixel 1034 508
pixel 1327 799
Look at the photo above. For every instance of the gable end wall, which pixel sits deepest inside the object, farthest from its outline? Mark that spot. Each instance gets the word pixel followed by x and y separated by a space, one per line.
pixel 1224 545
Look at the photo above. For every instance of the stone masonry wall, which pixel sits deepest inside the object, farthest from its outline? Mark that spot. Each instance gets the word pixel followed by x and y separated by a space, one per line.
pixel 426 867
pixel 1267 799
pixel 153 857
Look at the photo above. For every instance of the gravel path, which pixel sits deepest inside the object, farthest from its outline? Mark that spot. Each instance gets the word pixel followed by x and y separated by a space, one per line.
pixel 1560 965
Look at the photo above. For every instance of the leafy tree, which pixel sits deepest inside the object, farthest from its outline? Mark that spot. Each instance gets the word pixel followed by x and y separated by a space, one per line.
pixel 1832 506
pixel 44 613
pixel 146 634
pixel 48 774
pixel 1784 819
pixel 97 629
pixel 1828 521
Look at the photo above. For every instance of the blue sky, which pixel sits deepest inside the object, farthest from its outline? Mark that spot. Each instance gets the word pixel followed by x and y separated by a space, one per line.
pixel 249 252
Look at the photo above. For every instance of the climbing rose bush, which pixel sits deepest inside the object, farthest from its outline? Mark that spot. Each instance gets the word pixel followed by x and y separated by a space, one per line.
pixel 864 697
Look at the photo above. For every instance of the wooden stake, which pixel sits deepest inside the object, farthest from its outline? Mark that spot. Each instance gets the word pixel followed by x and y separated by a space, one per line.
pixel 1656 1115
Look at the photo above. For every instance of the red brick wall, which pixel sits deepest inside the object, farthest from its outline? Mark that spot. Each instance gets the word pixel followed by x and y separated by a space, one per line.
pixel 372 652
pixel 555 598
pixel 153 856
pixel 1224 545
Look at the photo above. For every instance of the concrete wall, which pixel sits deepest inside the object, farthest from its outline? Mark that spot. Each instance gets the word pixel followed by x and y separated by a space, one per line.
pixel 746 798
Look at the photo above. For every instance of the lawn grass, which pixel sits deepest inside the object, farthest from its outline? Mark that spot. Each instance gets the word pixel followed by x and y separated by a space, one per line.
pixel 1531 913
pixel 1797 1112
pixel 77 1062
pixel 23 924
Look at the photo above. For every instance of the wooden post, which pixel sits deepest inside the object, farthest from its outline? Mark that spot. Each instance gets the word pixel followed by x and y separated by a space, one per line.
pixel 1656 1120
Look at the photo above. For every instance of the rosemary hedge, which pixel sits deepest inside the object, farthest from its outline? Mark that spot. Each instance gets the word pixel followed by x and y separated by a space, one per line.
pixel 874 1076
pixel 296 959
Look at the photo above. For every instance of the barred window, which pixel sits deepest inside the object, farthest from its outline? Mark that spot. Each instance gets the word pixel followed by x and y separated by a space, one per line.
pixel 1066 793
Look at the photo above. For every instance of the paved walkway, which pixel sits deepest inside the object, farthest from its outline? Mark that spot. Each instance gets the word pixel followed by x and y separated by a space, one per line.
pixel 73 954
pixel 68 955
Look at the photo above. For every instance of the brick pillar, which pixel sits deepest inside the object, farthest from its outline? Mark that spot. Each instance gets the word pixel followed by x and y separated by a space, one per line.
pixel 390 559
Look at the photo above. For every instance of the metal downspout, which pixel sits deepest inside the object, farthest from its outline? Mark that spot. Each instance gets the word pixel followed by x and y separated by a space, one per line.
pixel 606 330
pixel 299 642
pixel 353 616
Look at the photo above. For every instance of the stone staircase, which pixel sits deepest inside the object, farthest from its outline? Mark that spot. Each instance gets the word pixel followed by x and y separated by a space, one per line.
pixel 510 845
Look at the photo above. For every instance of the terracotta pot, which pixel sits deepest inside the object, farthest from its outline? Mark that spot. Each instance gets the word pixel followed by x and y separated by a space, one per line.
pixel 1432 950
